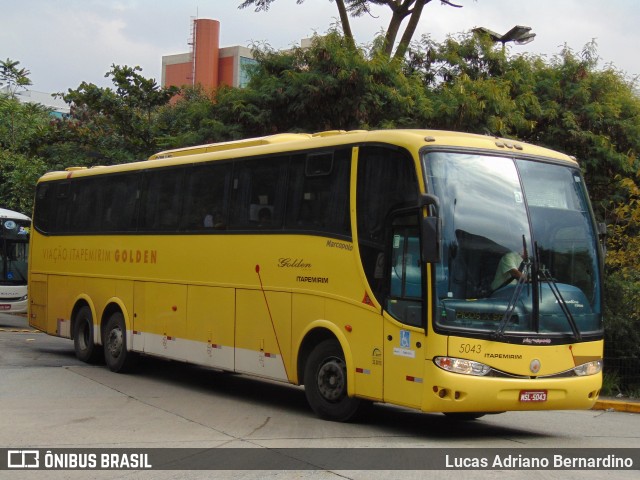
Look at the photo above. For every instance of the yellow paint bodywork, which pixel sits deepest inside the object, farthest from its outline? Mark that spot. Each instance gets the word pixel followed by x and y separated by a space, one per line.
pixel 267 293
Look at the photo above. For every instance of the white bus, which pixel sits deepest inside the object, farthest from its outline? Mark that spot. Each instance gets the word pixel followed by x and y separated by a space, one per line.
pixel 14 252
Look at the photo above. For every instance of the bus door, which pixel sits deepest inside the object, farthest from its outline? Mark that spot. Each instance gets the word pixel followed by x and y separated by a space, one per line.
pixel 404 334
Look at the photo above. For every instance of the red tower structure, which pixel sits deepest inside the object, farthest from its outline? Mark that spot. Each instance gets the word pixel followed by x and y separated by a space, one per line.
pixel 206 64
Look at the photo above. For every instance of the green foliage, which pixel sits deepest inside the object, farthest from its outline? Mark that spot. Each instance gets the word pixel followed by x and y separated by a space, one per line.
pixel 465 83
pixel 18 176
pixel 14 77
pixel 622 330
pixel 22 127
pixel 328 86
pixel 192 120
pixel 624 234
pixel 611 382
pixel 474 87
pixel 116 125
pixel 591 114
pixel 22 124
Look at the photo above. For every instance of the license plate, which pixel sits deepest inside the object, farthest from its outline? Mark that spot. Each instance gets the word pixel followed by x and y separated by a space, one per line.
pixel 533 395
pixel 5 307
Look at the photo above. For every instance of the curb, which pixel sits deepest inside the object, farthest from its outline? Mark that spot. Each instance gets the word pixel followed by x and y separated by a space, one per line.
pixel 18 330
pixel 617 406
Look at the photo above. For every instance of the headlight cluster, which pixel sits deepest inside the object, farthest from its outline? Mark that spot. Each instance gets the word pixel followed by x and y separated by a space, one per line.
pixel 469 367
pixel 460 365
pixel 590 368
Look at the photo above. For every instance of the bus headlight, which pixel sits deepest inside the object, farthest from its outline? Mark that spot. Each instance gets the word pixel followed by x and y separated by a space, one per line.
pixel 460 365
pixel 590 368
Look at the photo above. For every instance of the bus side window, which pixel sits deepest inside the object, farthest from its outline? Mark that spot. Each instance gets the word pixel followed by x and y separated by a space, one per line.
pixel 86 205
pixel 120 202
pixel 207 191
pixel 162 201
pixel 260 187
pixel 405 274
pixel 62 207
pixel 45 205
pixel 387 181
pixel 319 192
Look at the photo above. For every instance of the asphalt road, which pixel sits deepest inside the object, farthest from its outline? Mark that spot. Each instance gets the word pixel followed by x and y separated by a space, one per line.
pixel 50 400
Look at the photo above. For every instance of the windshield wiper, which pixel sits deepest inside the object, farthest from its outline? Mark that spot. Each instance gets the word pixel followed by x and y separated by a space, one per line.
pixel 545 275
pixel 525 272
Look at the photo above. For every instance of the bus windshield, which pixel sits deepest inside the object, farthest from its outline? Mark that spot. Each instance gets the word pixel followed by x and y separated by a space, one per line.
pixel 14 251
pixel 520 254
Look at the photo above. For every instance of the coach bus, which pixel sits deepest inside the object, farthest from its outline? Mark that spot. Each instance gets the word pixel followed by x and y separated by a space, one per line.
pixel 14 253
pixel 442 271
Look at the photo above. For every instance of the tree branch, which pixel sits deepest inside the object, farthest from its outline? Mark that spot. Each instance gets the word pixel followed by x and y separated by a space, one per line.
pixel 411 28
pixel 346 25
pixel 400 11
pixel 450 4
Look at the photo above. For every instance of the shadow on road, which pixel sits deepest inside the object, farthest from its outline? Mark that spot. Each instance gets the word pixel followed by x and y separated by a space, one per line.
pixel 56 352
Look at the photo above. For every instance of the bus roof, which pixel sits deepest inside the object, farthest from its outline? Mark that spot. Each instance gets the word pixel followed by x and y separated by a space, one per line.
pixel 4 213
pixel 412 140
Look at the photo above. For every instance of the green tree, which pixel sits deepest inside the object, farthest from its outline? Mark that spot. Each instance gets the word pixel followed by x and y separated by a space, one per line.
pixel 325 87
pixel 12 77
pixel 22 126
pixel 567 103
pixel 591 113
pixel 622 333
pixel 116 125
pixel 18 176
pixel 191 120
pixel 328 86
pixel 473 86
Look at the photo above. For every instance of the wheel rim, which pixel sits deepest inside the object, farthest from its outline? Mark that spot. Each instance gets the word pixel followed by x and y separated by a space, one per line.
pixel 332 379
pixel 84 335
pixel 114 342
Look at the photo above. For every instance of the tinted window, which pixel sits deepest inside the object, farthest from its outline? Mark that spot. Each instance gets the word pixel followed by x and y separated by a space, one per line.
pixel 119 206
pixel 43 213
pixel 319 192
pixel 86 200
pixel 259 193
pixel 161 201
pixel 207 193
pixel 304 192
pixel 386 182
pixel 62 206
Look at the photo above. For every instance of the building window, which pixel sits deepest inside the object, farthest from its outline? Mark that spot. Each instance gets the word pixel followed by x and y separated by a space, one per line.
pixel 245 71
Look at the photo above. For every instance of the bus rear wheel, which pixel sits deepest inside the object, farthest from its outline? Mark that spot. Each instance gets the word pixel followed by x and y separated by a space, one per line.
pixel 83 344
pixel 116 355
pixel 325 383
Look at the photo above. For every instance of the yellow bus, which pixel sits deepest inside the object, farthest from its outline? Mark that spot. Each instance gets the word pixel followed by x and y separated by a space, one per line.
pixel 441 271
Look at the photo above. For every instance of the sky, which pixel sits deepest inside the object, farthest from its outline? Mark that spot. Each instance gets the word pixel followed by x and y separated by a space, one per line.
pixel 65 42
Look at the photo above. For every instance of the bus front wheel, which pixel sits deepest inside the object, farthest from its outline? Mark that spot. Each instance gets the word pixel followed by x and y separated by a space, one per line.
pixel 325 383
pixel 116 355
pixel 83 344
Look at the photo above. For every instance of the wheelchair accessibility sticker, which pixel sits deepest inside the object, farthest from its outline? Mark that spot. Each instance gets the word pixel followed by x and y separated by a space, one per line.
pixel 405 345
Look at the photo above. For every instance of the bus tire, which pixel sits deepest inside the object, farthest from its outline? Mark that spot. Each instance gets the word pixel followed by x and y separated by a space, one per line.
pixel 116 355
pixel 86 349
pixel 325 383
